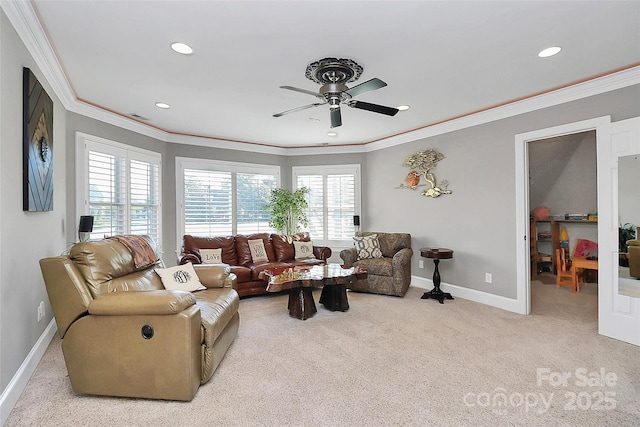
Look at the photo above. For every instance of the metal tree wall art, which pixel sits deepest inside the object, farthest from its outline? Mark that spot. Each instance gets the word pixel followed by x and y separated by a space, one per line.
pixel 421 164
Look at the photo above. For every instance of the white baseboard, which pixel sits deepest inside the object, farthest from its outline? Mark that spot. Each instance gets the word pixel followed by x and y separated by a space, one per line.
pixel 11 394
pixel 497 301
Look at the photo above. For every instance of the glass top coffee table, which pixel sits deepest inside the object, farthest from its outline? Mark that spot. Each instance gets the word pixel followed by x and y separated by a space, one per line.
pixel 300 280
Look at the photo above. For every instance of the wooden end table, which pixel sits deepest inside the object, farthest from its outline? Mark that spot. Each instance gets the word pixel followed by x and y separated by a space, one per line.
pixel 436 254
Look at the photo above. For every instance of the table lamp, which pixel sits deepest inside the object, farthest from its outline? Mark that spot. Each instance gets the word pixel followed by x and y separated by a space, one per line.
pixel 85 227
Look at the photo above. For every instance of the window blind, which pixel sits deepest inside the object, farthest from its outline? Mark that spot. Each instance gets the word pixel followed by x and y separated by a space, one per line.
pixel 207 203
pixel 253 195
pixel 333 199
pixel 120 186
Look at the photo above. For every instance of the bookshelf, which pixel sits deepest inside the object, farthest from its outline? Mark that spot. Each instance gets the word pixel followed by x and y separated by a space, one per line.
pixel 544 238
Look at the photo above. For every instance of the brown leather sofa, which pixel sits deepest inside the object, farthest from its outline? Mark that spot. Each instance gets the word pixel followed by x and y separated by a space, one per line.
pixel 389 275
pixel 634 258
pixel 124 334
pixel 236 253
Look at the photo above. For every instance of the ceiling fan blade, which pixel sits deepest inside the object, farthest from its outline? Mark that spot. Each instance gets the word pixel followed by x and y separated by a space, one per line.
pixel 389 111
pixel 293 110
pixel 308 92
pixel 367 86
pixel 336 117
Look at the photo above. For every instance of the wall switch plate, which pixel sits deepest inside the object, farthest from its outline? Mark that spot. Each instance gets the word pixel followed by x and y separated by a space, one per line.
pixel 488 277
pixel 421 263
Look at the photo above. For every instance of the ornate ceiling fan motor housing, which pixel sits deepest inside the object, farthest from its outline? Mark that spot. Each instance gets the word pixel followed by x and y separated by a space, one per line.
pixel 333 74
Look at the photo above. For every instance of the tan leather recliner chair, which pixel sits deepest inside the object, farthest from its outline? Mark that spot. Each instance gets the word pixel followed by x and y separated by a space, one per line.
pixel 634 258
pixel 123 334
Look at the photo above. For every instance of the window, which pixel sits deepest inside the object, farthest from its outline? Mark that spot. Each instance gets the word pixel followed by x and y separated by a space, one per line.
pixel 334 198
pixel 223 198
pixel 120 186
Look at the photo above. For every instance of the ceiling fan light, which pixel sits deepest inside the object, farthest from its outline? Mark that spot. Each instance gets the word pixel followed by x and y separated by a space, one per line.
pixel 550 51
pixel 182 48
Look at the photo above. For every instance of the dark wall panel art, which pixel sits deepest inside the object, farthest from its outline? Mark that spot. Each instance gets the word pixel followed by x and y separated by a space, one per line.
pixel 37 146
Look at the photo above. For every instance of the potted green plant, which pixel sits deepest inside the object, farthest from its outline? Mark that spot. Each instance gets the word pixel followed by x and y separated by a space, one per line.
pixel 288 210
pixel 625 232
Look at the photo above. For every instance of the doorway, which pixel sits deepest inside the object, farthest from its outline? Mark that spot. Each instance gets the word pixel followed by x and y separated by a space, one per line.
pixel 563 198
pixel 523 258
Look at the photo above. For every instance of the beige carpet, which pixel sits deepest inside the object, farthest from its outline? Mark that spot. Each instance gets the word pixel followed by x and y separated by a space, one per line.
pixel 387 361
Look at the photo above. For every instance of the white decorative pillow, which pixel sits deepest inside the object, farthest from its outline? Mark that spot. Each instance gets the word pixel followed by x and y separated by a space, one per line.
pixel 258 254
pixel 368 246
pixel 211 256
pixel 180 278
pixel 303 250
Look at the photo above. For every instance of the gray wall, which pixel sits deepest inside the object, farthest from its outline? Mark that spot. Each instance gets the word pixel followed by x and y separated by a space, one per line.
pixel 25 236
pixel 477 221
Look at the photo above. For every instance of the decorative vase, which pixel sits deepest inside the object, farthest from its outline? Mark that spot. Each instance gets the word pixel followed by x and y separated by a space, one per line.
pixel 412 179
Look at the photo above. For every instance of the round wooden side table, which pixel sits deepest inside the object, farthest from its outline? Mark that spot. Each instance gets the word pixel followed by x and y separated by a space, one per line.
pixel 436 254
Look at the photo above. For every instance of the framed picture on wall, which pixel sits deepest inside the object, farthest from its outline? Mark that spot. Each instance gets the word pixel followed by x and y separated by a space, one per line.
pixel 37 131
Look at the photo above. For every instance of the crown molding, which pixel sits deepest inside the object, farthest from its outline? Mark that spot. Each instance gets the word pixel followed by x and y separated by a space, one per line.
pixel 26 23
pixel 595 86
pixel 24 19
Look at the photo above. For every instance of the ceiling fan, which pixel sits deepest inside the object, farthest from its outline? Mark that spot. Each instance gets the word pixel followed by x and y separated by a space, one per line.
pixel 333 74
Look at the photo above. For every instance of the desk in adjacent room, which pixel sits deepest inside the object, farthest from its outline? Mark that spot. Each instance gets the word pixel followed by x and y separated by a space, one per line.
pixel 578 264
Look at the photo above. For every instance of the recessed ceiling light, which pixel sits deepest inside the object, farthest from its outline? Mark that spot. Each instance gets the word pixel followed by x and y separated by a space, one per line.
pixel 550 51
pixel 403 107
pixel 162 105
pixel 182 48
pixel 332 134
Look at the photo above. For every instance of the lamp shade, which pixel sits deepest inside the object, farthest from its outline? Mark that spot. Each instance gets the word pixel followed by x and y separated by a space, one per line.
pixel 86 224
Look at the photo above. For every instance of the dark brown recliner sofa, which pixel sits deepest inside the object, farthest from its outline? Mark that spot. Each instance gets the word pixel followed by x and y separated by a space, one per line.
pixel 236 253
pixel 124 334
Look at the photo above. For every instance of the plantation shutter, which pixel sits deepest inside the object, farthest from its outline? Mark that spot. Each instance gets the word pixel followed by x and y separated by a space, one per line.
pixel 120 186
pixel 315 200
pixel 341 198
pixel 107 194
pixel 333 198
pixel 253 194
pixel 207 203
pixel 144 198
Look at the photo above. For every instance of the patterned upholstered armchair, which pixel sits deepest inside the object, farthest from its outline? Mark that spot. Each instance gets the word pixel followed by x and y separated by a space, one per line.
pixel 389 267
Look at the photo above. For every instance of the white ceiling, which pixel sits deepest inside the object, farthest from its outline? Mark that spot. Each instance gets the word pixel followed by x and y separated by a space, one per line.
pixel 444 59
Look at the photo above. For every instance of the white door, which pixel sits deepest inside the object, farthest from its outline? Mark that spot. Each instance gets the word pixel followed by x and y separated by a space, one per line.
pixel 618 315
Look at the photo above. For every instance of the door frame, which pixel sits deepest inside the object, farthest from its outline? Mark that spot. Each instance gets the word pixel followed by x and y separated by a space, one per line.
pixel 523 256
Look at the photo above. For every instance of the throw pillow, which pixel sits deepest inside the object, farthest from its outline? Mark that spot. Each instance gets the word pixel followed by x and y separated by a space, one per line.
pixel 303 250
pixel 368 246
pixel 258 254
pixel 211 256
pixel 180 278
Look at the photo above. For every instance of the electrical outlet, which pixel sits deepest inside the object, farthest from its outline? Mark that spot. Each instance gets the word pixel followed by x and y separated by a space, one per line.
pixel 41 311
pixel 488 277
pixel 421 263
